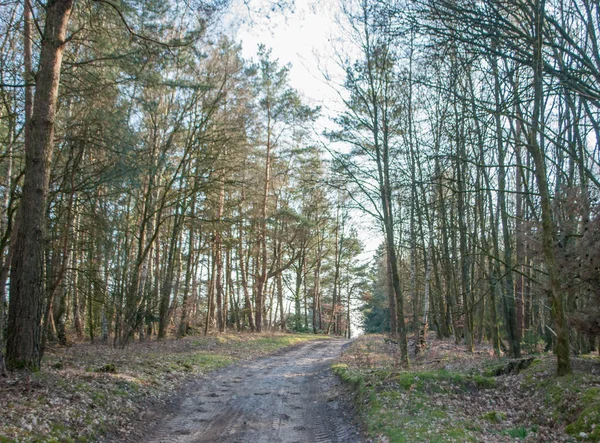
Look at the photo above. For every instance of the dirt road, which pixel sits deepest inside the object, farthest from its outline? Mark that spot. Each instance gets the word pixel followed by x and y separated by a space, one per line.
pixel 289 397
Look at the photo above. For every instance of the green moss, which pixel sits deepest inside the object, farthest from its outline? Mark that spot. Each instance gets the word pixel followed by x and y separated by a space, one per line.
pixel 536 363
pixel 98 397
pixel 442 381
pixel 397 405
pixel 494 416
pixel 23 365
pixel 588 421
pixel 353 378
pixel 209 362
pixel 58 429
pixel 339 367
pixel 484 382
pixel 125 388
pixel 398 426
pixel 568 399
pixel 520 432
pixel 59 432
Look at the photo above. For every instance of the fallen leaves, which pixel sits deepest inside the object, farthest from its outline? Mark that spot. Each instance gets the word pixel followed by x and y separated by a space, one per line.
pixel 87 392
pixel 450 395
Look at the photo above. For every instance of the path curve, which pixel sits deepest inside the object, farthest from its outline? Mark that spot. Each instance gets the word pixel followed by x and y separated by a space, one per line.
pixel 289 397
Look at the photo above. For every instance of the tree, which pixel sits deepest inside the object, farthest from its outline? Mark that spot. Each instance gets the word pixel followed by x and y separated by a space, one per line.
pixel 369 125
pixel 280 114
pixel 27 269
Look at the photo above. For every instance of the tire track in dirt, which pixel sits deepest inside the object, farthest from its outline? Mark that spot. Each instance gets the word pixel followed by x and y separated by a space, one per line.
pixel 290 397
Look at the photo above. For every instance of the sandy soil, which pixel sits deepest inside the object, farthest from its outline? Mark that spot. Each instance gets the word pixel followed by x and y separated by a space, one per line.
pixel 288 397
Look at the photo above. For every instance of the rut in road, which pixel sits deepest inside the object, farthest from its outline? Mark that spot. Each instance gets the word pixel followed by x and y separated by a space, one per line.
pixel 289 397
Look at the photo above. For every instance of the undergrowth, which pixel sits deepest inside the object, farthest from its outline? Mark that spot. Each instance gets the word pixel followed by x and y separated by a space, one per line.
pixel 449 395
pixel 398 405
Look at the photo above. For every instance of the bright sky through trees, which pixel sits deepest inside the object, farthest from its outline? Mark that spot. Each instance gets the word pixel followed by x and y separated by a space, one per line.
pixel 309 37
pixel 301 38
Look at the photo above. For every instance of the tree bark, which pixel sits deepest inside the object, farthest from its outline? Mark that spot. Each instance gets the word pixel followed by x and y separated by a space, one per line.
pixel 508 299
pixel 563 366
pixel 167 286
pixel 27 270
pixel 242 264
pixel 261 280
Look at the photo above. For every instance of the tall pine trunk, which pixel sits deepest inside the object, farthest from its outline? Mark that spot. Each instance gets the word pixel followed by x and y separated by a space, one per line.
pixel 27 267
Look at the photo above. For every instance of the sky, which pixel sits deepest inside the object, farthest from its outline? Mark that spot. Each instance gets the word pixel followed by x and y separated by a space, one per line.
pixel 308 37
pixel 303 36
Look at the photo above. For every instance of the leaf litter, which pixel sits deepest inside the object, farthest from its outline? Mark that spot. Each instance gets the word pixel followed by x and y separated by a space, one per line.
pixel 92 392
pixel 450 394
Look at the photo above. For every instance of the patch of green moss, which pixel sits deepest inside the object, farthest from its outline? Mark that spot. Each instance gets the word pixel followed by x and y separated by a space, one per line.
pixel 23 365
pixel 397 404
pixel 508 366
pixel 494 416
pixel 339 367
pixel 58 429
pixel 59 432
pixel 353 378
pixel 563 396
pixel 123 388
pixel 492 368
pixel 535 364
pixel 429 424
pixel 520 432
pixel 587 424
pixel 205 362
pixel 483 382
pixel 568 399
pixel 98 397
pixel 442 381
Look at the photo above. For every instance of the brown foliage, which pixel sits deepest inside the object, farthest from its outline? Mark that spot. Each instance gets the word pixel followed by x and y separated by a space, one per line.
pixel 578 257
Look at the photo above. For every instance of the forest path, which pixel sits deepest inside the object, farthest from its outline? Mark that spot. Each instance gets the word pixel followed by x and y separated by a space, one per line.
pixel 288 397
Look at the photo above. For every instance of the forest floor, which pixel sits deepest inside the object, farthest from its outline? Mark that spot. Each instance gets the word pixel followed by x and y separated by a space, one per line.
pixel 94 392
pixel 450 395
pixel 281 389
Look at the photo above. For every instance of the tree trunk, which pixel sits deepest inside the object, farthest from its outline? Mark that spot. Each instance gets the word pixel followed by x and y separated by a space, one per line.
pixel 336 276
pixel 279 282
pixel 185 302
pixel 243 271
pixel 520 240
pixel 167 286
pixel 508 299
pixel 261 280
pixel 316 305
pixel 27 270
pixel 548 233
pixel 297 308
pixel 220 300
